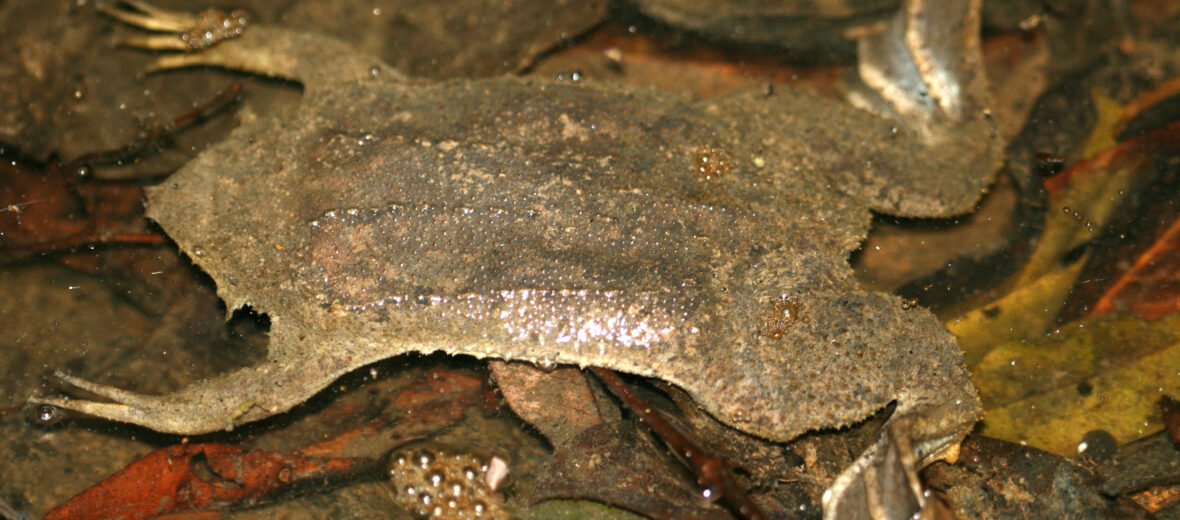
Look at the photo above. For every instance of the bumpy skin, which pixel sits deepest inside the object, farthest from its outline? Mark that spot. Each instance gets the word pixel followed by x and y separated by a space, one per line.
pixel 702 244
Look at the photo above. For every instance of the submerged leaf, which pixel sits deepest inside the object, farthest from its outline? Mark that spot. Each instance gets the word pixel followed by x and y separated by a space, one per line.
pixel 1109 113
pixel 1082 200
pixel 579 510
pixel 1025 312
pixel 1100 374
pixel 1150 289
pixel 200 476
pixel 617 465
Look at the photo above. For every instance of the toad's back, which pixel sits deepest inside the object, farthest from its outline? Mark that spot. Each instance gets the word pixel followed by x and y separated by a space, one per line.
pixel 585 225
pixel 495 202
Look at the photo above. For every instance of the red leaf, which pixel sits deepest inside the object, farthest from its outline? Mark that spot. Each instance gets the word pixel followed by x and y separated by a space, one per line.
pixel 172 479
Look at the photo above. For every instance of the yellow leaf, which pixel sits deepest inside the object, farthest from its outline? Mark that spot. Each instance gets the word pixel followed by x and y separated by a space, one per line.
pixel 1104 374
pixel 1025 312
pixel 1109 114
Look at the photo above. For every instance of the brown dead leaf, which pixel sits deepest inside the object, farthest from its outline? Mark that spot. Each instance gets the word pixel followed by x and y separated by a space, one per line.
pixel 558 403
pixel 618 466
pixel 997 479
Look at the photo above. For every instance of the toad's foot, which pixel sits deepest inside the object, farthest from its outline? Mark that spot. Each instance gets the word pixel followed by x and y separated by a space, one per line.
pixel 883 482
pixel 218 39
pixel 191 32
pixel 925 68
pixel 934 148
pixel 219 403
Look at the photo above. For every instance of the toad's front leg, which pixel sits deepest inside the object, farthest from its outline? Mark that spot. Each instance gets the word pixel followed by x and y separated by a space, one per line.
pixel 218 39
pixel 218 403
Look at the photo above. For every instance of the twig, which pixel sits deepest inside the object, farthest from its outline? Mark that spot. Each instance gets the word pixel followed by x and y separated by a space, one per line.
pixel 711 470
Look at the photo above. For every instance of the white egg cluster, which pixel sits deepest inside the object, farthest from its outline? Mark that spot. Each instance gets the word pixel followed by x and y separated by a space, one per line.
pixel 436 484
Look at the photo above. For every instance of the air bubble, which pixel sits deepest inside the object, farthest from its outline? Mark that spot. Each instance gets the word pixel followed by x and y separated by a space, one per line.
pixel 48 415
pixel 709 493
pixel 574 76
pixel 436 478
pixel 424 458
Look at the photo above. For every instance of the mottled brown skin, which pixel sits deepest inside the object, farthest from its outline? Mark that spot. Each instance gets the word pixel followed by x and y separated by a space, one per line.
pixel 524 219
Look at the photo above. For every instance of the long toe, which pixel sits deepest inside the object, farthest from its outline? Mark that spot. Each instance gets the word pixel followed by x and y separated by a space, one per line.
pixel 111 411
pixel 146 16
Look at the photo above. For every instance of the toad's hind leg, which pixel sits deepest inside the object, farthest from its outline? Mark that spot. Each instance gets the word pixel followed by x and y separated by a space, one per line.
pixel 218 39
pixel 925 67
pixel 923 71
pixel 218 403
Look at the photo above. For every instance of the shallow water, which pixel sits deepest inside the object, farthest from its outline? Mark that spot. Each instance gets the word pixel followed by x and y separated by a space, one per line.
pixel 143 317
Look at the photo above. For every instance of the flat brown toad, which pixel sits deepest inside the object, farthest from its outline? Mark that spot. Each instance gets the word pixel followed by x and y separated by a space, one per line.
pixel 701 243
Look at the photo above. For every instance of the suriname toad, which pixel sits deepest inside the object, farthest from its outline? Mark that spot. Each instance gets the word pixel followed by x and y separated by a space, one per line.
pixel 701 243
